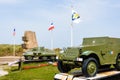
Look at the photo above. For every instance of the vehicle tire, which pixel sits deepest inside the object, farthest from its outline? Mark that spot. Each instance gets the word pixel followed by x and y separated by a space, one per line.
pixel 90 67
pixel 28 57
pixel 40 58
pixel 64 68
pixel 117 65
pixel 53 58
pixel 44 58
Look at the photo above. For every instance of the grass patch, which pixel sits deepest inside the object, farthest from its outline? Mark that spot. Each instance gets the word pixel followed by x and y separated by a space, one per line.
pixel 42 73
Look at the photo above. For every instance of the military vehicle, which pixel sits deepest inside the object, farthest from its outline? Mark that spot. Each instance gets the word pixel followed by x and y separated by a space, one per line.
pixel 95 53
pixel 39 52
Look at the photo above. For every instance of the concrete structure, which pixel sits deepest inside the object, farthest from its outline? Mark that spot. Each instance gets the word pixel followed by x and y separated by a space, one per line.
pixel 30 40
pixel 2 72
pixel 105 75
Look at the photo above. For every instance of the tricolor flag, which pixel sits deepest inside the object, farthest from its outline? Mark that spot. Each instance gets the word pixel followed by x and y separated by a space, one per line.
pixel 51 27
pixel 14 32
pixel 75 17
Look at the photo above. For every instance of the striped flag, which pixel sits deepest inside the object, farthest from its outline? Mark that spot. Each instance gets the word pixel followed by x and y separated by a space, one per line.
pixel 14 33
pixel 51 27
pixel 75 17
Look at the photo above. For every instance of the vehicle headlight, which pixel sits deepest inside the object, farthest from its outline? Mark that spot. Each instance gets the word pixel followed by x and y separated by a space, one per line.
pixel 56 57
pixel 79 59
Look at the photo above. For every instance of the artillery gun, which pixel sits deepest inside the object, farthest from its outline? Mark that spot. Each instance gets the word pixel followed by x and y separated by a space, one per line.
pixel 95 53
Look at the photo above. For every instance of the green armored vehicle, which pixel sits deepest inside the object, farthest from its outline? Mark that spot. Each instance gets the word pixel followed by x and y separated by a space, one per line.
pixel 39 52
pixel 94 54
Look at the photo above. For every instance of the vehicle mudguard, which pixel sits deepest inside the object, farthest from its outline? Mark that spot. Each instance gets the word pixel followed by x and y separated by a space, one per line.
pixel 87 53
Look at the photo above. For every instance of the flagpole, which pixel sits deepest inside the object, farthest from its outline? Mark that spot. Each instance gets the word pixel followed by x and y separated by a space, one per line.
pixel 14 33
pixel 14 47
pixel 51 29
pixel 51 39
pixel 75 19
pixel 71 30
pixel 72 34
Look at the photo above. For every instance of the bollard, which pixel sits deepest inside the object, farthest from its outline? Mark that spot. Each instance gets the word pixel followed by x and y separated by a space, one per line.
pixel 20 63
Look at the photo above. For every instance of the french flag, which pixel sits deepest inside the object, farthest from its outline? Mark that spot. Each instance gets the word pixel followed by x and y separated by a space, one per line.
pixel 14 32
pixel 51 27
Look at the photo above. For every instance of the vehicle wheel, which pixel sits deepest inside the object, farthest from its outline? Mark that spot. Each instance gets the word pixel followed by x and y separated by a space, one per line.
pixel 117 65
pixel 44 58
pixel 89 68
pixel 53 57
pixel 28 57
pixel 64 68
pixel 40 58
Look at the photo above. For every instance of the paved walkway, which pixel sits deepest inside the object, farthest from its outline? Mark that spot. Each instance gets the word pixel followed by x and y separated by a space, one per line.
pixel 7 59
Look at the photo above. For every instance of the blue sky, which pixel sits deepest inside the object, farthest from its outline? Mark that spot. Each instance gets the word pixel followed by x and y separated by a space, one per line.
pixel 98 18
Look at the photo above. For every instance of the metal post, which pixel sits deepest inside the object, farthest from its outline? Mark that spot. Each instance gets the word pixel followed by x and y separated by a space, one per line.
pixel 51 39
pixel 14 47
pixel 71 34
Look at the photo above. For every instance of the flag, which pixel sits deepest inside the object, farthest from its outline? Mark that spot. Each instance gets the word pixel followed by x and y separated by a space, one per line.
pixel 75 17
pixel 14 32
pixel 51 27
